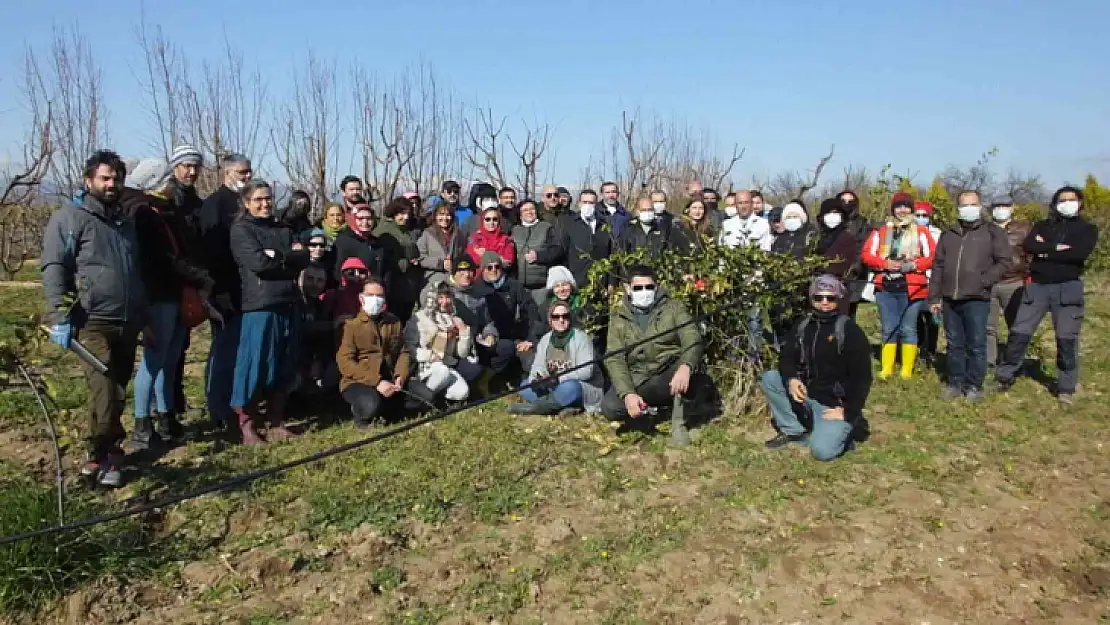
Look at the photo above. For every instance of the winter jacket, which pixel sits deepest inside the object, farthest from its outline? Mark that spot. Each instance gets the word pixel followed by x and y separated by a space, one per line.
pixel 1016 231
pixel 655 240
pixel 835 375
pixel 372 350
pixel 420 336
pixel 407 276
pixel 585 245
pixel 797 244
pixel 580 350
pixel 163 265
pixel 840 248
pixel 628 370
pixel 92 254
pixel 268 280
pixel 217 213
pixel 916 281
pixel 471 307
pixel 344 302
pixel 512 310
pixel 369 249
pixel 299 225
pixel 970 260
pixel 617 219
pixel 540 238
pixel 463 216
pixel 1052 266
pixel 434 248
pixel 186 209
pixel 688 239
pixel 752 230
pixel 497 242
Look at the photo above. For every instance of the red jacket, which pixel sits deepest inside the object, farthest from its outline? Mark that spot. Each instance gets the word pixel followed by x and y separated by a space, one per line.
pixel 491 242
pixel 875 257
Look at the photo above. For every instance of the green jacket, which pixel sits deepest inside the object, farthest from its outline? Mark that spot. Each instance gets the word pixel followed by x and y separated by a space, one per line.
pixel 628 370
pixel 402 249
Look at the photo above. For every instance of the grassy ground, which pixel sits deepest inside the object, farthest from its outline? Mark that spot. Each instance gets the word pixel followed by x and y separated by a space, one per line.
pixel 950 513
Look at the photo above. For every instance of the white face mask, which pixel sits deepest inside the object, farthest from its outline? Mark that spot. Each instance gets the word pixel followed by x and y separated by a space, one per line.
pixel 1002 213
pixel 487 203
pixel 792 224
pixel 970 213
pixel 586 209
pixel 731 210
pixel 643 299
pixel 373 305
pixel 921 220
pixel 646 217
pixel 658 207
pixel 1068 208
pixel 832 220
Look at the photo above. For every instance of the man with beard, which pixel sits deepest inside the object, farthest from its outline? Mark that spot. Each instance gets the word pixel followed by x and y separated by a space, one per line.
pixel 350 189
pixel 94 293
pixel 450 194
pixel 187 163
pixel 617 215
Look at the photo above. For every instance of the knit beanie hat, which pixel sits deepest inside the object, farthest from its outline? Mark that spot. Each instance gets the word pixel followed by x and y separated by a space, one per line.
pixel 489 257
pixel 184 154
pixel 149 174
pixel 558 274
pixel 796 210
pixel 901 199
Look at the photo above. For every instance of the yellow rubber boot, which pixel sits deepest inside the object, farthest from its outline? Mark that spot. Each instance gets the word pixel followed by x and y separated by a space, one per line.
pixel 890 351
pixel 909 357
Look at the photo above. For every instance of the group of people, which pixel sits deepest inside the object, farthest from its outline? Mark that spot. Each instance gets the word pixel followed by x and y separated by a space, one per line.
pixel 421 303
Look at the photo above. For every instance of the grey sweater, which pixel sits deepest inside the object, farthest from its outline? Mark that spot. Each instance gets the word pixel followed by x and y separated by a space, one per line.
pixel 580 350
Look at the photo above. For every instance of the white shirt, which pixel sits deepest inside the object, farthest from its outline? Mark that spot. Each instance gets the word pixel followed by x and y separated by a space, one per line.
pixel 745 231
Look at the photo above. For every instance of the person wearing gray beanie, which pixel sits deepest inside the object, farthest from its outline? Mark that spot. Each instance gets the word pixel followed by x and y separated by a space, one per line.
pixel 825 371
pixel 149 175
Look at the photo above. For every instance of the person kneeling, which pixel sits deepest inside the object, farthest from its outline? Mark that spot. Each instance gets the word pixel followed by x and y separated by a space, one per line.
pixel 443 345
pixel 657 348
pixel 372 357
pixel 554 389
pixel 825 371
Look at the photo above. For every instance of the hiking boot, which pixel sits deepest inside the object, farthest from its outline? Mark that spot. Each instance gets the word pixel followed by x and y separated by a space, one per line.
pixel 144 438
pixel 974 395
pixel 782 440
pixel 1066 398
pixel 110 474
pixel 950 393
pixel 168 427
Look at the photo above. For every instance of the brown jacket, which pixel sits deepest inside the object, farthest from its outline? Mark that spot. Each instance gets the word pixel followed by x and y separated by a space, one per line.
pixel 372 349
pixel 1016 231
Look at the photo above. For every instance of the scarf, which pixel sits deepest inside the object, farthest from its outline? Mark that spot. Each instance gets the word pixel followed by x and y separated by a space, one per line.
pixel 560 340
pixel 331 231
pixel 901 240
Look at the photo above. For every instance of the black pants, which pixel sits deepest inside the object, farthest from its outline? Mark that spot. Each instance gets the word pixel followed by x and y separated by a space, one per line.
pixel 499 357
pixel 179 387
pixel 368 404
pixel 655 391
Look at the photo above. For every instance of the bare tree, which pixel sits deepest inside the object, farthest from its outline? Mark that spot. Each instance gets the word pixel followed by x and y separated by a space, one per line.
pixel 437 135
pixel 979 177
pixel 387 139
pixel 307 129
pixel 486 144
pixel 162 79
pixel 792 185
pixel 1023 188
pixel 69 83
pixel 532 149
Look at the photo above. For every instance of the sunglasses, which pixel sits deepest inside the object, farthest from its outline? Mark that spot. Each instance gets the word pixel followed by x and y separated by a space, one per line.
pixel 315 245
pixel 824 299
pixel 492 220
pixel 549 195
pixel 643 287
pixel 356 273
pixel 451 192
pixel 560 317
pixel 492 267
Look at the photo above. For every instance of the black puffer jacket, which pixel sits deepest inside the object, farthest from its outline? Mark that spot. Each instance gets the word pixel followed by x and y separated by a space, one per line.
pixel 163 263
pixel 512 310
pixel 368 249
pixel 267 280
pixel 217 214
pixel 797 244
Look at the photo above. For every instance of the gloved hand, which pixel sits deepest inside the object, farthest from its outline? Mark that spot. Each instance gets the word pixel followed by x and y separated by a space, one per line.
pixel 61 334
pixel 543 386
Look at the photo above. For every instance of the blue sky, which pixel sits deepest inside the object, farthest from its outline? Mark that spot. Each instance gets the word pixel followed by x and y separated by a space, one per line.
pixel 914 83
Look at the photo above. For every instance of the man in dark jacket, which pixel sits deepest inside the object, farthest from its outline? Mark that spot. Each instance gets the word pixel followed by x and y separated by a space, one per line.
pixel 94 293
pixel 1006 295
pixel 646 231
pixel 662 349
pixel 589 237
pixel 1060 246
pixel 972 256
pixel 513 311
pixel 216 216
pixel 825 374
pixel 187 162
pixel 361 243
pixel 615 212
pixel 538 248
pixel 510 216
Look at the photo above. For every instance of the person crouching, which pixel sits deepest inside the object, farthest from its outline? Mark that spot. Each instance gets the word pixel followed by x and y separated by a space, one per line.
pixel 824 369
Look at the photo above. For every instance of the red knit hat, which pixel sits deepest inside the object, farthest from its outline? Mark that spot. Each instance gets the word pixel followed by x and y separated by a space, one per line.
pixel 901 199
pixel 923 207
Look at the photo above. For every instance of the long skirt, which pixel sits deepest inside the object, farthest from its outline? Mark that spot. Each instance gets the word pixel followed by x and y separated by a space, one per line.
pixel 267 358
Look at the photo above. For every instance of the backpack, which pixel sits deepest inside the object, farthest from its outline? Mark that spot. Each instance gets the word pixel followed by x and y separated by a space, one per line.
pixel 839 331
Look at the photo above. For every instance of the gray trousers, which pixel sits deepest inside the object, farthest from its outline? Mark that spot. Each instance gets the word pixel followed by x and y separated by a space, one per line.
pixel 1065 302
pixel 1005 305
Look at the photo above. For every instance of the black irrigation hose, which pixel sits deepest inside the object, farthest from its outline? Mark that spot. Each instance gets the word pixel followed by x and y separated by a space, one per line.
pixel 245 478
pixel 59 476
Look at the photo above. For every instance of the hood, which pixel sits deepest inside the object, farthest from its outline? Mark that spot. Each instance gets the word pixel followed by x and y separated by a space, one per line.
pixel 480 191
pixel 351 263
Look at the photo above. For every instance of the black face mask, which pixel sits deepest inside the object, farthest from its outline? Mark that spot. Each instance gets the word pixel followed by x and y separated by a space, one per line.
pixel 825 316
pixel 850 207
pixel 710 206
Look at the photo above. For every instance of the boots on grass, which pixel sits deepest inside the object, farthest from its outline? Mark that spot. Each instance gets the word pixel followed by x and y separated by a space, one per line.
pixel 680 434
pixel 276 415
pixel 246 428
pixel 909 356
pixel 144 438
pixel 889 353
pixel 168 427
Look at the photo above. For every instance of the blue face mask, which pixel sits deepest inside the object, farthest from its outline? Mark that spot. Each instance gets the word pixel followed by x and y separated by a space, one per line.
pixel 921 221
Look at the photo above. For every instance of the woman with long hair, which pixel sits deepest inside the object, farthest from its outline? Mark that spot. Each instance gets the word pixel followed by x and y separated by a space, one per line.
pixel 695 228
pixel 270 262
pixel 440 242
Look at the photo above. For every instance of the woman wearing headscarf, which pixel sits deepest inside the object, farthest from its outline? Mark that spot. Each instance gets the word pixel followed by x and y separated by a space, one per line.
pixel 797 238
pixel 442 344
pixel 269 263
pixel 295 215
pixel 900 253
pixel 489 238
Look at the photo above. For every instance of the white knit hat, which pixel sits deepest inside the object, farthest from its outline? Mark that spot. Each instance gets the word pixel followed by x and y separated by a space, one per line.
pixel 150 174
pixel 558 274
pixel 795 209
pixel 186 153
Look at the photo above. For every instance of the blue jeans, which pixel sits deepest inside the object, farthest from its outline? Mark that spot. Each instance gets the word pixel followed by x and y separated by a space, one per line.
pixel 828 439
pixel 220 372
pixel 567 394
pixel 965 327
pixel 157 372
pixel 898 316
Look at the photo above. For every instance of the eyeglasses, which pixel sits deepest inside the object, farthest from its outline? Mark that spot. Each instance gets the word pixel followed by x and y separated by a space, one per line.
pixel 560 317
pixel 451 192
pixel 824 299
pixel 643 287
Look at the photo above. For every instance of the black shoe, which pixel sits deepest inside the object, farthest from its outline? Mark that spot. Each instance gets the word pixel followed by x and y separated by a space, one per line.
pixel 144 437
pixel 1002 386
pixel 168 427
pixel 782 440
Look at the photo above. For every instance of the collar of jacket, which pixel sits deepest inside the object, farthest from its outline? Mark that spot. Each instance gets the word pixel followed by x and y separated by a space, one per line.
pixel 381 320
pixel 961 228
pixel 90 204
pixel 661 297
